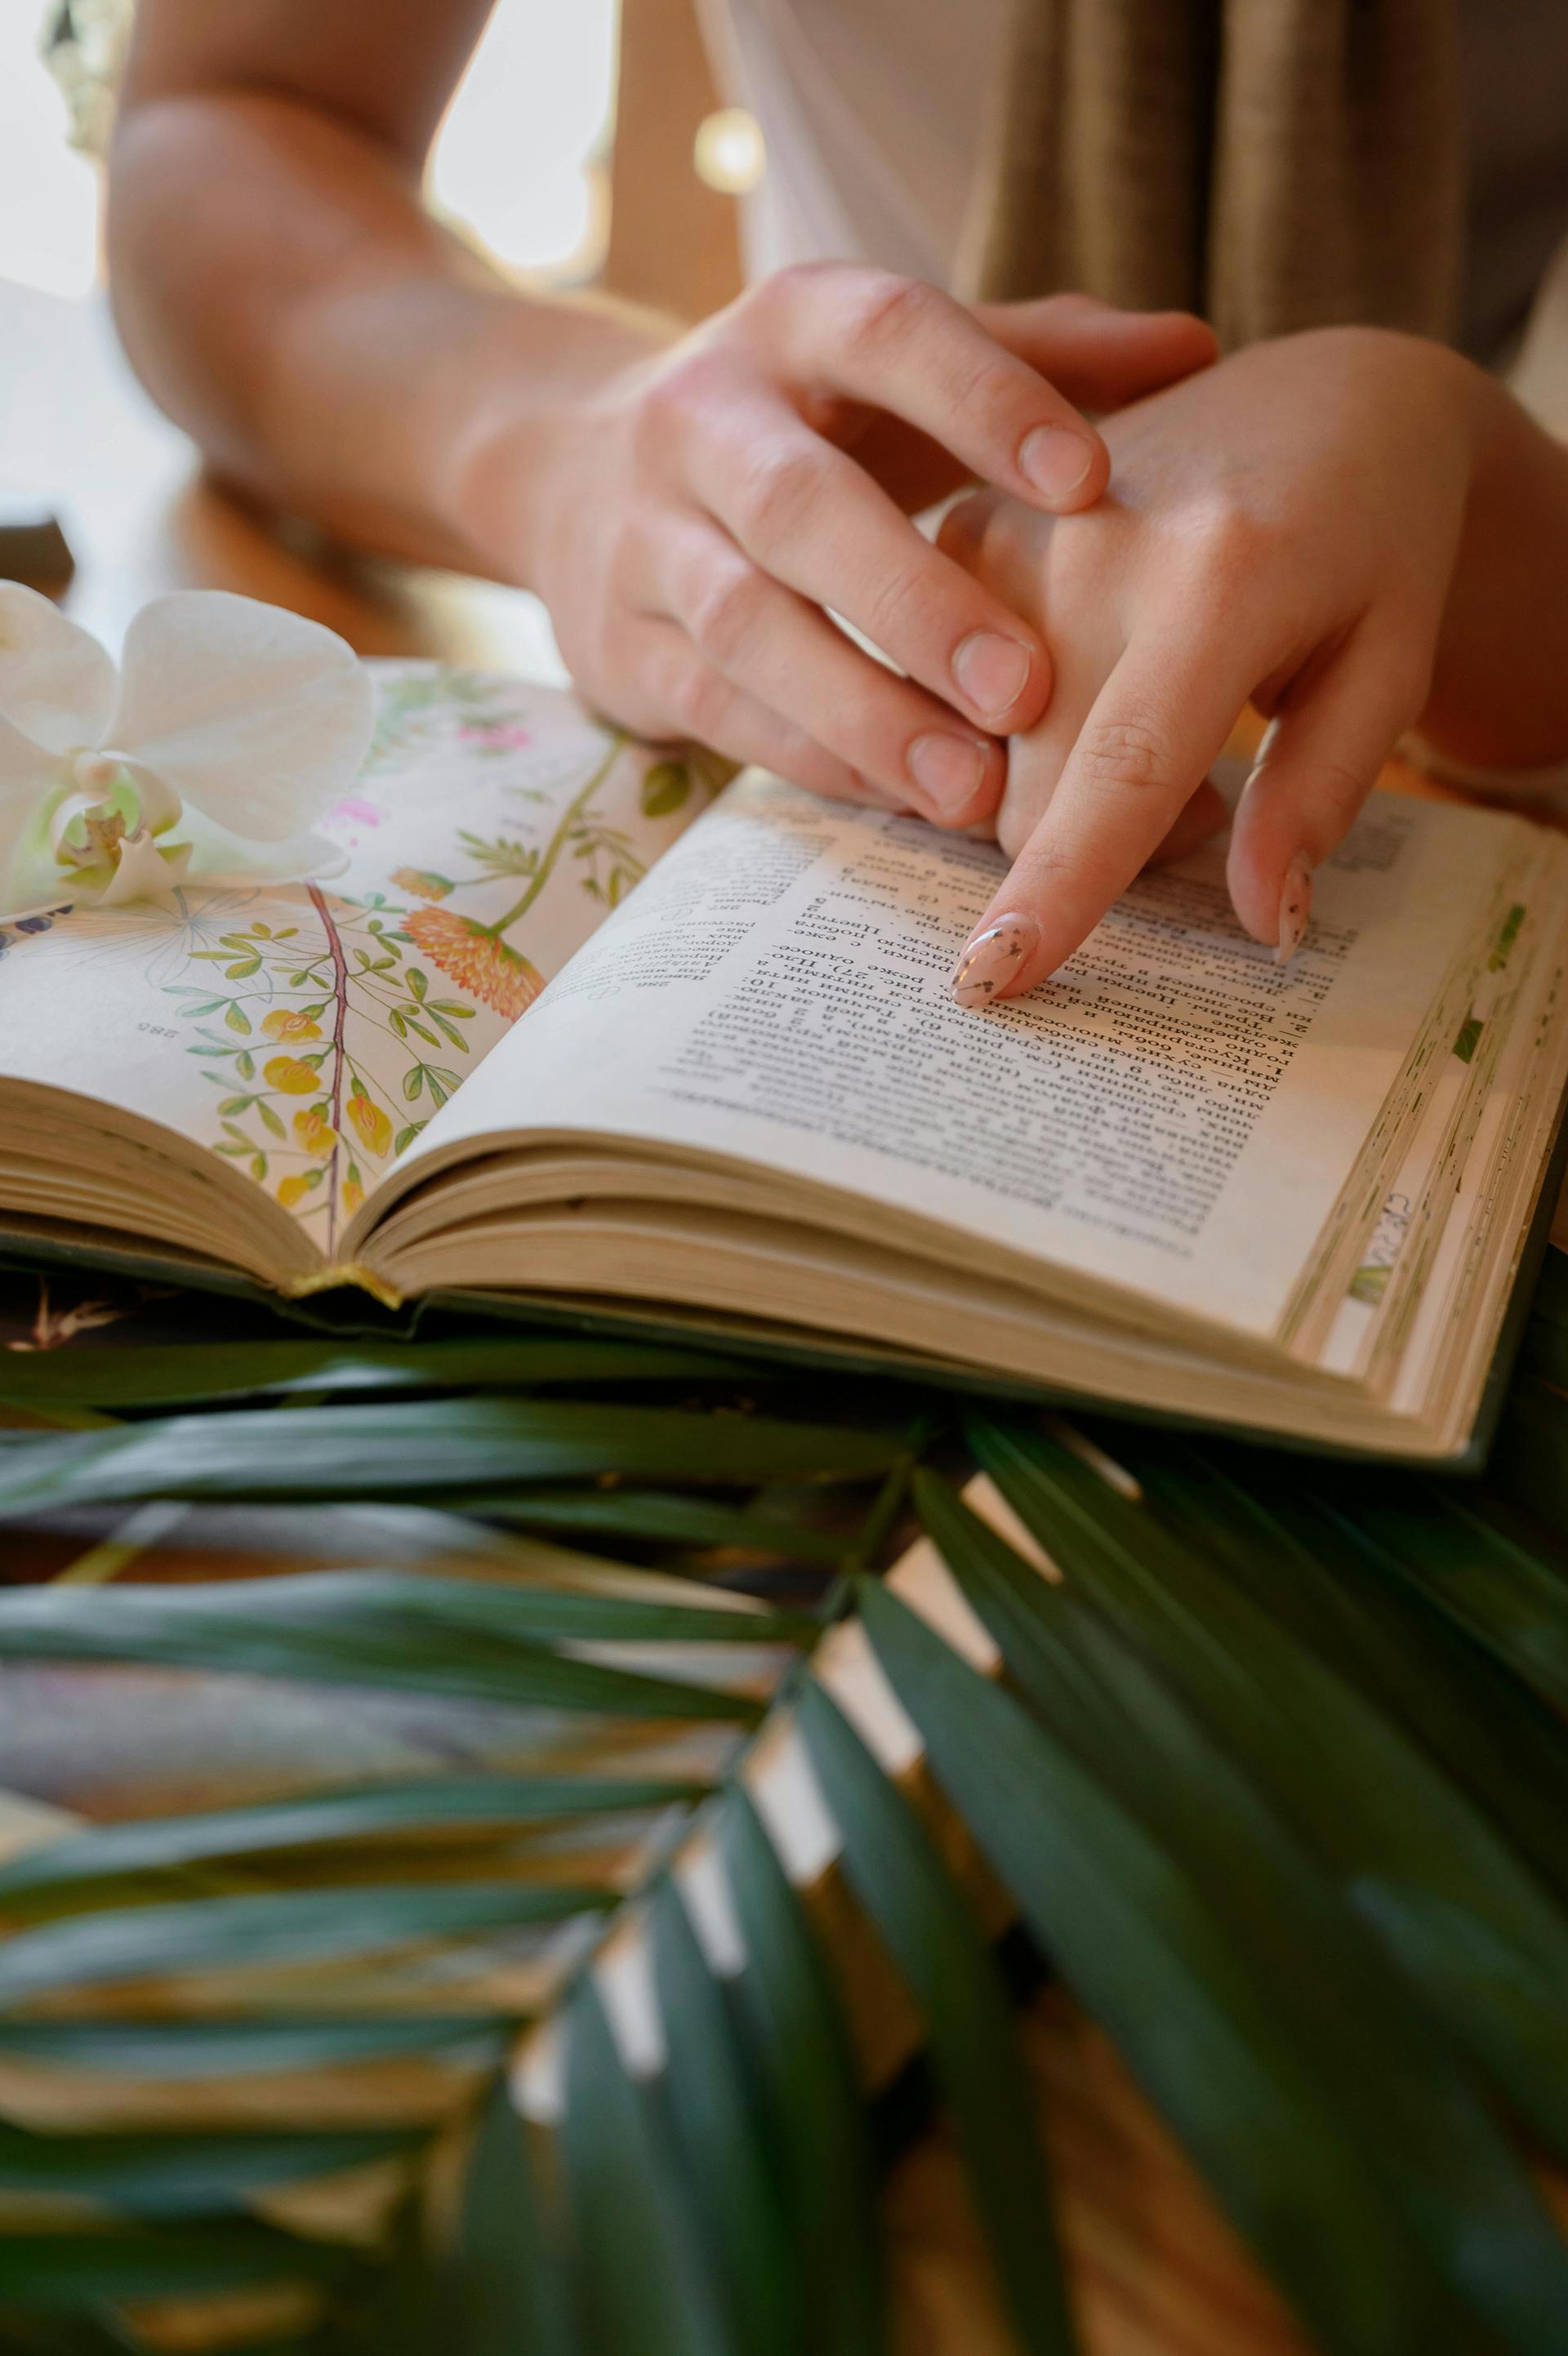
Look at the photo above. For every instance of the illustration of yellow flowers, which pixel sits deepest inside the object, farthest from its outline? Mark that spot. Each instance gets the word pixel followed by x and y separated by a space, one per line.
pixel 290 1023
pixel 370 1123
pixel 315 1131
pixel 290 1077
pixel 369 1048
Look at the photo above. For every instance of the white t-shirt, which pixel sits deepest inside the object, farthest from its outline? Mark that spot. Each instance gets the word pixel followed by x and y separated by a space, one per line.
pixel 872 114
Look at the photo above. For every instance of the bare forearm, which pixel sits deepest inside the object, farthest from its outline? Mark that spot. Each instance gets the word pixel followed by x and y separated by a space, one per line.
pixel 1501 693
pixel 285 296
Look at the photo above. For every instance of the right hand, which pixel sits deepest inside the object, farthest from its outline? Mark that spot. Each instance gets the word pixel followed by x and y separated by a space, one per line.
pixel 688 524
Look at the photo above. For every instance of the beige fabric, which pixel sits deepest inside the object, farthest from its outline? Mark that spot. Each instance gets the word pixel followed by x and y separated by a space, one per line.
pixel 1276 164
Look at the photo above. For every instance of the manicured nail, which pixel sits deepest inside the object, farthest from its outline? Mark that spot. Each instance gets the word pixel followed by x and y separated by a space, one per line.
pixel 1296 908
pixel 992 958
pixel 991 671
pixel 949 770
pixel 1054 460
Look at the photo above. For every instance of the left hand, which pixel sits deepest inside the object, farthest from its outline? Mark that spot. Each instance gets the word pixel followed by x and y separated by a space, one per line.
pixel 1282 530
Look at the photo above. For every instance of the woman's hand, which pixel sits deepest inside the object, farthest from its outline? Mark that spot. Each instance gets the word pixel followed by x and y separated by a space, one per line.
pixel 1332 527
pixel 689 523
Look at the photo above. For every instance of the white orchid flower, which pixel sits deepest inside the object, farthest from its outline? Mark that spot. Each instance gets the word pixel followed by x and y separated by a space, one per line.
pixel 229 730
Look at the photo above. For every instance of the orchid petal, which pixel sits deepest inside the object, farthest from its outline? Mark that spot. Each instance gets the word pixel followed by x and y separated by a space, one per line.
pixel 219 856
pixel 57 684
pixel 143 872
pixel 27 777
pixel 257 717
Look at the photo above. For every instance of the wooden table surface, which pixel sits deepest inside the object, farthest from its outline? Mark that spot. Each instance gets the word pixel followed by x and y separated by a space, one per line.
pixel 1157 2270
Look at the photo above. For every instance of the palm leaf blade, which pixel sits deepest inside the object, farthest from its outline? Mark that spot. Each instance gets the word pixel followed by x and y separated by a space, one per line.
pixel 898 1876
pixel 1316 1572
pixel 1217 2044
pixel 149 2261
pixel 203 1934
pixel 808 2073
pixel 183 2175
pixel 173 1374
pixel 419 1448
pixel 644 2286
pixel 662 1513
pixel 450 1636
pixel 190 2051
pixel 1413 1854
pixel 510 2288
pixel 1504 1592
pixel 721 2145
pixel 359 1813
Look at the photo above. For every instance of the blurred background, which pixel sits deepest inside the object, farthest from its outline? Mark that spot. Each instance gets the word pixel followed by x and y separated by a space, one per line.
pixel 524 162
pixel 49 196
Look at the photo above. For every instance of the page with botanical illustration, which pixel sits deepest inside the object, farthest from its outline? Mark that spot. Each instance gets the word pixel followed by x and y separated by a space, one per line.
pixel 307 1032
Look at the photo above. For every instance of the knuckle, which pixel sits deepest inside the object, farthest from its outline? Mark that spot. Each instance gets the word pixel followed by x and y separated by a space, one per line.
pixel 1071 307
pixel 895 603
pixel 1130 750
pixel 779 486
pixel 727 611
pixel 988 402
pixel 627 567
pixel 786 289
pixel 699 698
pixel 886 311
pixel 869 729
pixel 1232 540
pixel 1343 785
pixel 671 401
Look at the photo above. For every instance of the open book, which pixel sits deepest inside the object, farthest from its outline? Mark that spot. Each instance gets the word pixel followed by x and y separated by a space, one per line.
pixel 1177 1177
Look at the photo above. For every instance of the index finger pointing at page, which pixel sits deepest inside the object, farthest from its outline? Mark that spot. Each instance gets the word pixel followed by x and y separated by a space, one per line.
pixel 904 347
pixel 1157 725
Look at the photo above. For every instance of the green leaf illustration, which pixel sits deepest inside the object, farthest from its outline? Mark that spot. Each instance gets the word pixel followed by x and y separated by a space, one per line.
pixel 665 788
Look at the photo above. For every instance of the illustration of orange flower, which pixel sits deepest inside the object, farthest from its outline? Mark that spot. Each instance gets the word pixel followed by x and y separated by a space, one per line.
pixel 293 1078
pixel 475 960
pixel 289 1023
pixel 291 1192
pixel 315 1133
pixel 423 882
pixel 370 1121
pixel 353 1195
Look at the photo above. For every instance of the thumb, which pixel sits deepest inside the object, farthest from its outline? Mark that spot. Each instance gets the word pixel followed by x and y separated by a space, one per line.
pixel 1098 356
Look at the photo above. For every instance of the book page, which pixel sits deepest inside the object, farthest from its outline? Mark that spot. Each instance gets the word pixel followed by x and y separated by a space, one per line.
pixel 1173 1113
pixel 308 1031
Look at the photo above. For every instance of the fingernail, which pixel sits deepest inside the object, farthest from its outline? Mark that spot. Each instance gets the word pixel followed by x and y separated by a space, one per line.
pixel 992 958
pixel 1054 460
pixel 949 770
pixel 991 671
pixel 1296 908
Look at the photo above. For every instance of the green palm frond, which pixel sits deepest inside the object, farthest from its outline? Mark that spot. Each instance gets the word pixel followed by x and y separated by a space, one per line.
pixel 170 1374
pixel 1411 1851
pixel 418 1449
pixel 590 2016
pixel 895 1869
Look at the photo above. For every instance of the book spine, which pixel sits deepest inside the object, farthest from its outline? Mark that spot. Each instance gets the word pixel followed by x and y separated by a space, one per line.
pixel 349 1272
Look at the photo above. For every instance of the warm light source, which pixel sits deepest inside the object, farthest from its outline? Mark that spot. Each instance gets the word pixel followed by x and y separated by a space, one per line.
pixel 728 152
pixel 519 161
